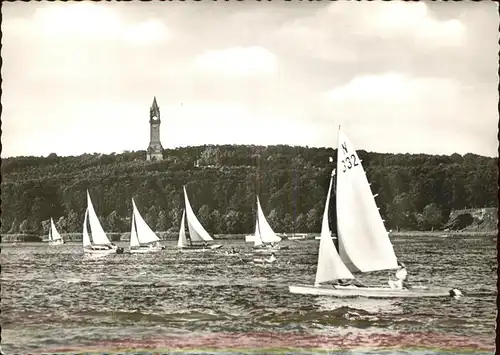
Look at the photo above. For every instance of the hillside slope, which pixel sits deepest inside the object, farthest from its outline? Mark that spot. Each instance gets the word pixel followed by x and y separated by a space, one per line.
pixel 415 192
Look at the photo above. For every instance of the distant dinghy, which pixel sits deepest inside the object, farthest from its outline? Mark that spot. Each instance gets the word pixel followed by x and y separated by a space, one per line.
pixel 318 237
pixel 199 238
pixel 265 239
pixel 142 238
pixel 96 242
pixel 297 236
pixel 54 236
pixel 363 241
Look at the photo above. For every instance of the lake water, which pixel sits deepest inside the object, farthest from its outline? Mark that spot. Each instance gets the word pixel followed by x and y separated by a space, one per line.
pixel 56 300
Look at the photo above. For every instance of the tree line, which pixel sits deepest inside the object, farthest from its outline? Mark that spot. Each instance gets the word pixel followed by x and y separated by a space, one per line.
pixel 415 191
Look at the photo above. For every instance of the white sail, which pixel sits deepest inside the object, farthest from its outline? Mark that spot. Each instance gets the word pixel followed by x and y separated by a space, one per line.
pixel 364 243
pixel 50 233
pixel 144 233
pixel 182 242
pixel 258 239
pixel 196 231
pixel 266 232
pixel 98 235
pixel 330 266
pixel 134 242
pixel 54 234
pixel 86 236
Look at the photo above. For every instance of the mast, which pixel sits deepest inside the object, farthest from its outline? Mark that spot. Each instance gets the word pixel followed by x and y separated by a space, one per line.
pixel 336 240
pixel 294 177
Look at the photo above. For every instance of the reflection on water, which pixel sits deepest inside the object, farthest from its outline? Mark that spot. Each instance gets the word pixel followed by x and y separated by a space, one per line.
pixel 367 305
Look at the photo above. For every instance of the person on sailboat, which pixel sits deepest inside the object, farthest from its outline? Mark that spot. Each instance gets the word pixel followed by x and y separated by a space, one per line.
pixel 400 276
pixel 354 282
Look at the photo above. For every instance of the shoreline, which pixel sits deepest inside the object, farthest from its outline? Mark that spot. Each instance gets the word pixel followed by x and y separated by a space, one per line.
pixel 172 236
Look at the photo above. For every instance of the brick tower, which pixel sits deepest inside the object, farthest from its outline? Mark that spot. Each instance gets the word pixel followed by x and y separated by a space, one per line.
pixel 155 149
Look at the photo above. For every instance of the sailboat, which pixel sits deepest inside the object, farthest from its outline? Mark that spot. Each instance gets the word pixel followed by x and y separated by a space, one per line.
pixel 265 238
pixel 54 236
pixel 363 242
pixel 96 242
pixel 142 238
pixel 197 234
pixel 297 236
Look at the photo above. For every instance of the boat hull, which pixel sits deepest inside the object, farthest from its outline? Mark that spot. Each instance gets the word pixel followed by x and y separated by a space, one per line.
pixel 369 292
pixel 250 238
pixel 56 242
pixel 199 248
pixel 145 250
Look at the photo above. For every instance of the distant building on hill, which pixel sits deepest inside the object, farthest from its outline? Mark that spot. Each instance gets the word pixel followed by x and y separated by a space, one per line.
pixel 155 149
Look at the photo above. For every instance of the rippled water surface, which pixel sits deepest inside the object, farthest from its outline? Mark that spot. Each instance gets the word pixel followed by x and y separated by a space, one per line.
pixel 54 298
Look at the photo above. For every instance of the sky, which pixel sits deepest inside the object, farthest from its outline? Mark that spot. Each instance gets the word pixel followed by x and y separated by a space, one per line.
pixel 399 77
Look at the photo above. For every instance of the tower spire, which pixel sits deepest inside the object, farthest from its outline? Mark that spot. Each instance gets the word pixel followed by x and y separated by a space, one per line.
pixel 155 149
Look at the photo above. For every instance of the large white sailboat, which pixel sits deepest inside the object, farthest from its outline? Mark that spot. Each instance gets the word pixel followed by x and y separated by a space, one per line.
pixel 54 236
pixel 199 239
pixel 265 238
pixel 363 242
pixel 142 237
pixel 96 242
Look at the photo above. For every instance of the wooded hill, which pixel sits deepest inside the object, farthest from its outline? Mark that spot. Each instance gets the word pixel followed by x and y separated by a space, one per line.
pixel 415 192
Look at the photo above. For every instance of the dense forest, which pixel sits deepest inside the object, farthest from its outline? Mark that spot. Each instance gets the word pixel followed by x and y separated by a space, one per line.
pixel 415 192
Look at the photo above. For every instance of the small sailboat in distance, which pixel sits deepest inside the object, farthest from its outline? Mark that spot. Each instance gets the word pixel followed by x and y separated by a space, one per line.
pixel 142 237
pixel 54 236
pixel 363 241
pixel 96 242
pixel 199 238
pixel 265 238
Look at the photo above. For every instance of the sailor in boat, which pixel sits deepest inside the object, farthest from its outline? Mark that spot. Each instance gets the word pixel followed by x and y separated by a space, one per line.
pixel 354 282
pixel 400 276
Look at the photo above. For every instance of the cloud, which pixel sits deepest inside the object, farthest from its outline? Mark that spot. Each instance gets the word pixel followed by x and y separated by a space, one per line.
pixel 345 31
pixel 237 61
pixel 84 21
pixel 407 76
pixel 393 87
pixel 410 21
pixel 431 112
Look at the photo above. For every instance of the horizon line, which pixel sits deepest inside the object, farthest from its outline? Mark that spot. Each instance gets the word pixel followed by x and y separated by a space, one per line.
pixel 125 151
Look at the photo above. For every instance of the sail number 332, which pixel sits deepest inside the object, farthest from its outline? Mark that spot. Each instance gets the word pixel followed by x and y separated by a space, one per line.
pixel 349 163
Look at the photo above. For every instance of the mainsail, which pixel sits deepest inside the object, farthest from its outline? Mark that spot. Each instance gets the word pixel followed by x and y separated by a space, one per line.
pixel 263 231
pixel 364 243
pixel 96 231
pixel 53 234
pixel 196 231
pixel 144 233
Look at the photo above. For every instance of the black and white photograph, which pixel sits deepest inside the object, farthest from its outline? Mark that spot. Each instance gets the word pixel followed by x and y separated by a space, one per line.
pixel 249 177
